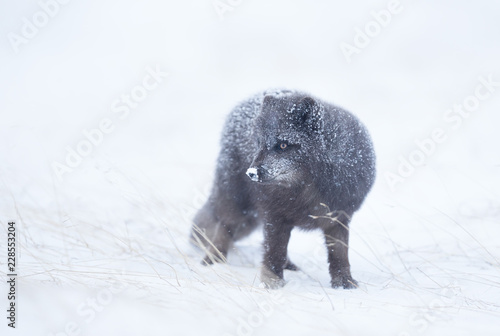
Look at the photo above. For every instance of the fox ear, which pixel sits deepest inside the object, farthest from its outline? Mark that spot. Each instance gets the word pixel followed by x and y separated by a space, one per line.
pixel 309 113
pixel 307 107
pixel 267 99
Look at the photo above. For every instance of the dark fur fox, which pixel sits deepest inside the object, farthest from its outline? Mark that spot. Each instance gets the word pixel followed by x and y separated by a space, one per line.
pixel 286 159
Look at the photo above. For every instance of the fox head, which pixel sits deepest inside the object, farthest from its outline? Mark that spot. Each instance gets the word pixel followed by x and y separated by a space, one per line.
pixel 287 131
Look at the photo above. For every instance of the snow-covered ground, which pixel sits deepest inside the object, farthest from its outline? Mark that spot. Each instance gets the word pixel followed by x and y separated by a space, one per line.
pixel 102 237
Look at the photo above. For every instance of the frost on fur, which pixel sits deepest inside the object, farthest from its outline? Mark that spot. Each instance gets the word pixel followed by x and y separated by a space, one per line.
pixel 285 157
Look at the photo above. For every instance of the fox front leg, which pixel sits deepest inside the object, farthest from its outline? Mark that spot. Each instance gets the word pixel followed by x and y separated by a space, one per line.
pixel 276 238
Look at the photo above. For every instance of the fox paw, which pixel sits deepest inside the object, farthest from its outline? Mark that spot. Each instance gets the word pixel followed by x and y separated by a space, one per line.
pixel 271 280
pixel 290 266
pixel 211 259
pixel 344 281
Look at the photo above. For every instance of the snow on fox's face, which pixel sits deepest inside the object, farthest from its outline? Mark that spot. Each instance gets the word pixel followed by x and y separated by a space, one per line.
pixel 284 133
pixel 276 164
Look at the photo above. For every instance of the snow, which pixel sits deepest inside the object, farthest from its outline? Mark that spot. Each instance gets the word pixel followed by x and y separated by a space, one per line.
pixel 104 248
pixel 253 173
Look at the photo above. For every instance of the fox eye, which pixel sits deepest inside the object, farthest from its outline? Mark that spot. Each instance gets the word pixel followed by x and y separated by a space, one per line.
pixel 281 145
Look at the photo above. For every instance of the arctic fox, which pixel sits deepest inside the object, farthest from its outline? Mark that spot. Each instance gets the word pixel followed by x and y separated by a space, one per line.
pixel 287 158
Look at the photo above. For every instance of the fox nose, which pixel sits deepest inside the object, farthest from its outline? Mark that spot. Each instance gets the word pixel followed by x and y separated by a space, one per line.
pixel 254 173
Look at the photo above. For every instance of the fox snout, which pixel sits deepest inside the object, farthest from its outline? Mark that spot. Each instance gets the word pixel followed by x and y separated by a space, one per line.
pixel 256 174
